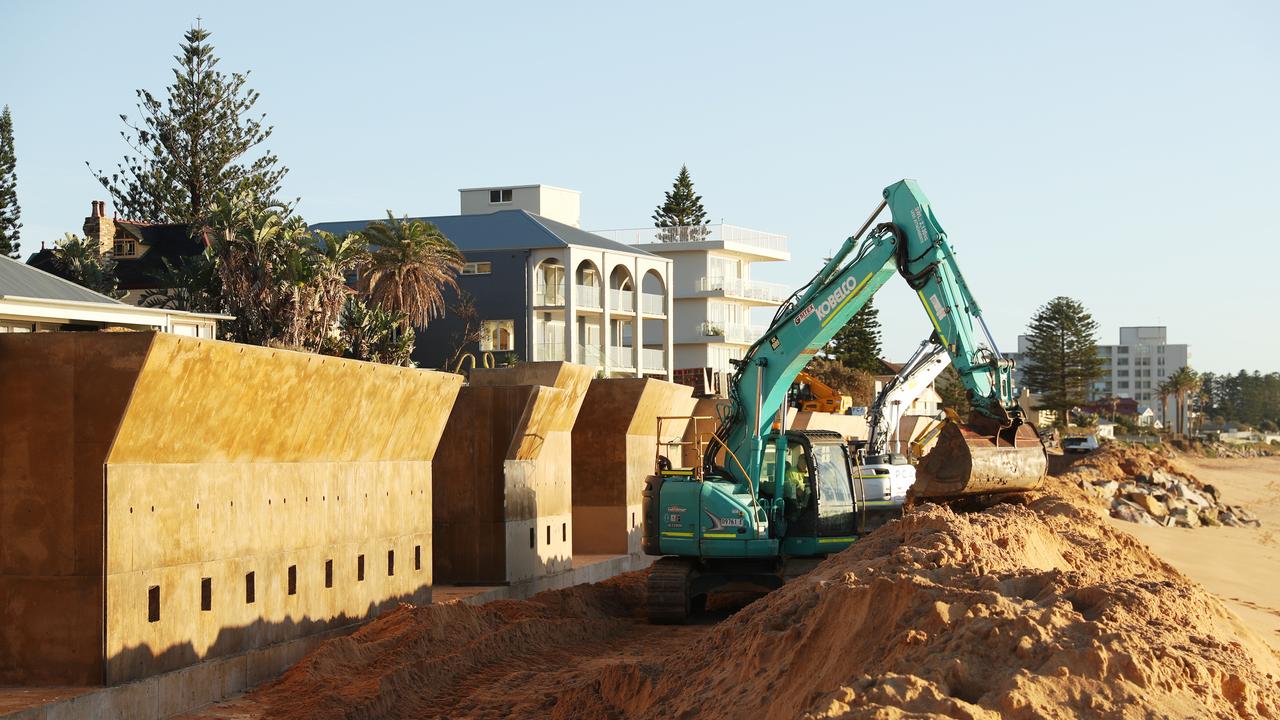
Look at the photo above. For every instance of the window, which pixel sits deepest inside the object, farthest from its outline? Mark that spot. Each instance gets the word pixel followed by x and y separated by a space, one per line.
pixel 206 594
pixel 249 592
pixel 417 557
pixel 477 268
pixel 360 568
pixel 125 248
pixel 1124 349
pixel 500 196
pixel 497 335
pixel 391 562
pixel 1123 384
pixel 153 603
pixel 328 573
pixel 293 579
pixel 8 326
pixel 1123 373
pixel 1160 361
pixel 1122 361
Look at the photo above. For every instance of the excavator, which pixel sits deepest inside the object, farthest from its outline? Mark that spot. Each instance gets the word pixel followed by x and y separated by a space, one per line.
pixel 884 468
pixel 764 500
pixel 817 396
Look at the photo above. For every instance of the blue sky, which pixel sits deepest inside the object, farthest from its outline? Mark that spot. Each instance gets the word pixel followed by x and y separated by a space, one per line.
pixel 1121 153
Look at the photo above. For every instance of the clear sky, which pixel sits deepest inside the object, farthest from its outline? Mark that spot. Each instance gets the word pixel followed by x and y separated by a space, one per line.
pixel 1125 154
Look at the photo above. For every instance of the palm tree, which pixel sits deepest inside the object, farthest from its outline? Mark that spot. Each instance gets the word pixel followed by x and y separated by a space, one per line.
pixel 1164 390
pixel 190 285
pixel 335 258
pixel 1184 382
pixel 410 266
pixel 81 261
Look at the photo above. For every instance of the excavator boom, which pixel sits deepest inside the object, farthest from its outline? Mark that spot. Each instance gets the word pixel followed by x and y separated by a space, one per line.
pixel 995 451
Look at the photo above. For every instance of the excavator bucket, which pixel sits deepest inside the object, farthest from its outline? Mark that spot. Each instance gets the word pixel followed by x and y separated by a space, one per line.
pixel 979 459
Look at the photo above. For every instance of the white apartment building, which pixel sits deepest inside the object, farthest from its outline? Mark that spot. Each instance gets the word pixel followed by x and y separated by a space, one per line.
pixel 547 290
pixel 1135 367
pixel 712 289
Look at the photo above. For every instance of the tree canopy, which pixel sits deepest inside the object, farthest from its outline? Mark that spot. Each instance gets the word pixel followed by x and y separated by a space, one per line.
pixel 857 345
pixel 681 216
pixel 193 144
pixel 1061 361
pixel 10 213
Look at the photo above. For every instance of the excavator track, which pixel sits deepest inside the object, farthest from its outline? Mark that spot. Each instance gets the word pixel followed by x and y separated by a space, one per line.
pixel 669 601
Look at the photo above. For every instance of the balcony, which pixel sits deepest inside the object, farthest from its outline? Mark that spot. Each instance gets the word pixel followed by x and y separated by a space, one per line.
pixel 549 351
pixel 651 304
pixel 621 357
pixel 771 242
pixel 651 359
pixel 548 296
pixel 590 355
pixel 732 332
pixel 766 292
pixel 586 296
pixel 623 300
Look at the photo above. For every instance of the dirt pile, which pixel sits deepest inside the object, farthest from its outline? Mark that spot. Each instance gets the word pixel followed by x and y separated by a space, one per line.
pixel 1150 487
pixel 1036 610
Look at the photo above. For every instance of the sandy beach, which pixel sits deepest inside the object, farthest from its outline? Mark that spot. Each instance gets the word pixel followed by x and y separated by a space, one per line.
pixel 1240 565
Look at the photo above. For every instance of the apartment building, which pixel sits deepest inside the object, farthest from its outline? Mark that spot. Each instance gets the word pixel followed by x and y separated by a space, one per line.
pixel 544 289
pixel 1134 368
pixel 712 290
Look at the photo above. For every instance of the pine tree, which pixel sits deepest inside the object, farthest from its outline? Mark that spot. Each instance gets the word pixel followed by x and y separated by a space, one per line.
pixel 857 344
pixel 9 210
pixel 681 217
pixel 1062 355
pixel 193 144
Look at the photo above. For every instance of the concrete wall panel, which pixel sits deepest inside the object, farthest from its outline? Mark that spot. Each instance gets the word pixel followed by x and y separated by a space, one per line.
pixel 614 443
pixel 218 460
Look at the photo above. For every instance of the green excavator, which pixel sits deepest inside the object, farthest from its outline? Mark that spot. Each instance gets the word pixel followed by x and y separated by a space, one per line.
pixel 763 502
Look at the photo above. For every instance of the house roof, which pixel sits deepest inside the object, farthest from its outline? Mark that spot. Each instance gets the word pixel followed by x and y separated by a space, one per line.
pixel 18 280
pixel 168 241
pixel 502 230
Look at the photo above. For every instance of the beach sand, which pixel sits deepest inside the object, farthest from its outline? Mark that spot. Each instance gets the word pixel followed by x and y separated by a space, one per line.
pixel 1240 565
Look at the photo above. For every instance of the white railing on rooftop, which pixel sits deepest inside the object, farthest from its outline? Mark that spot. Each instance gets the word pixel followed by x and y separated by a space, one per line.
pixel 719 232
pixel 753 289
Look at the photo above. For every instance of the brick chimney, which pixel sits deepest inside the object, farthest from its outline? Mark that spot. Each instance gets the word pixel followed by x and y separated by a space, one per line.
pixel 100 228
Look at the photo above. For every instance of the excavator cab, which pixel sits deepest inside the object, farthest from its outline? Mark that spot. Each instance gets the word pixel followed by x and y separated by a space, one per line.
pixel 823 507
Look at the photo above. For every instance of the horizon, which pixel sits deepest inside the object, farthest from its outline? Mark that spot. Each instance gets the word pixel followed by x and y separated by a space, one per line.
pixel 1132 141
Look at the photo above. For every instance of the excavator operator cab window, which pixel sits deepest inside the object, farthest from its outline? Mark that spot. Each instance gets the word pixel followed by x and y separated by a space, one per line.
pixel 797 487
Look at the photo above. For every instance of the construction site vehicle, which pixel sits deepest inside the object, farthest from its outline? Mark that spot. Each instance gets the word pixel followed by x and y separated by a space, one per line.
pixel 883 465
pixel 818 396
pixel 765 498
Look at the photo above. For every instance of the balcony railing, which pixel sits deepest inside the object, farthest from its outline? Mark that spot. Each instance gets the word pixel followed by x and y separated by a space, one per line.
pixel 651 359
pixel 549 351
pixel 622 357
pixel 590 355
pixel 586 296
pixel 624 300
pixel 651 304
pixel 752 289
pixel 698 233
pixel 548 295
pixel 732 332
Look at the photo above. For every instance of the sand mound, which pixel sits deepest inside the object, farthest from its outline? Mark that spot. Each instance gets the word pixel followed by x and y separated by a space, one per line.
pixel 1023 612
pixel 1036 610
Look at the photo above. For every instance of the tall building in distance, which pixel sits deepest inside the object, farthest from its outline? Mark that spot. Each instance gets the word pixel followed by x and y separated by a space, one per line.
pixel 713 293
pixel 1135 367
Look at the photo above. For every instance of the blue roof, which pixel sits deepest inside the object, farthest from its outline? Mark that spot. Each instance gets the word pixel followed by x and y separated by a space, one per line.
pixel 502 230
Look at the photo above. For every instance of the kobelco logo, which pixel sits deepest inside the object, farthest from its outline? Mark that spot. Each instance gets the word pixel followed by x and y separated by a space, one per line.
pixel 836 298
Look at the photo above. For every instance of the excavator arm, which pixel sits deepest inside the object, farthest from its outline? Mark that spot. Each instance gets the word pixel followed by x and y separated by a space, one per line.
pixel 924 366
pixel 913 245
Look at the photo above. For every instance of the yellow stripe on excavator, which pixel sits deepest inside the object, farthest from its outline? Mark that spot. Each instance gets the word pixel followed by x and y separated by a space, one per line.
pixel 832 315
pixel 942 339
pixel 836 539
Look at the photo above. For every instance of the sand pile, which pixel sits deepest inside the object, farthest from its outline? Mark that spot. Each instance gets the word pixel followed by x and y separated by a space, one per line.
pixel 1150 487
pixel 1036 610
